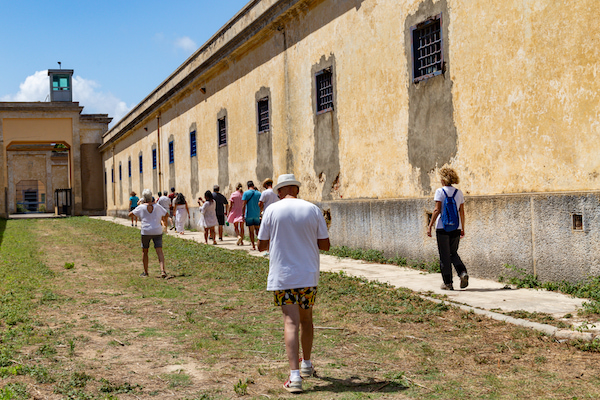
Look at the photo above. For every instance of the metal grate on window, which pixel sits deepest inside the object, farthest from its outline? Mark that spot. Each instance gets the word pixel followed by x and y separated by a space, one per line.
pixel 171 152
pixel 193 144
pixel 222 131
pixel 153 158
pixel 263 115
pixel 324 91
pixel 427 49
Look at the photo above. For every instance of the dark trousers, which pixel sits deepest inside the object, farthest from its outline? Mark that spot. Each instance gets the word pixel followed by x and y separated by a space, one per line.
pixel 448 248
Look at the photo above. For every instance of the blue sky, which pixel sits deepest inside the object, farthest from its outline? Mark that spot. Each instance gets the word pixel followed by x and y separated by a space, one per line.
pixel 119 50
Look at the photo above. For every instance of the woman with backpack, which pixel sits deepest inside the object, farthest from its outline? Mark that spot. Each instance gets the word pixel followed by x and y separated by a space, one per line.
pixel 449 219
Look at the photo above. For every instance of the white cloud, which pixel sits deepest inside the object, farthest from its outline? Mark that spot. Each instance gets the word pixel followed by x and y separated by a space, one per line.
pixel 186 44
pixel 37 88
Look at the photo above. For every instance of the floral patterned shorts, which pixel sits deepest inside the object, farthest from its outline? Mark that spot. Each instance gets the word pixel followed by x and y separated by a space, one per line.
pixel 304 297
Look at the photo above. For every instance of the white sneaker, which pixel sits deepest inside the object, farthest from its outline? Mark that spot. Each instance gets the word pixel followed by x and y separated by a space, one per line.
pixel 293 386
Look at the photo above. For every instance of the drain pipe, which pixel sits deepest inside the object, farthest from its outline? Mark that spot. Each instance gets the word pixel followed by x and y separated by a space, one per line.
pixel 160 183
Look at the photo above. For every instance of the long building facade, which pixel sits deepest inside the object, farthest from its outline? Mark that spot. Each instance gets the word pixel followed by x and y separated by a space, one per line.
pixel 365 100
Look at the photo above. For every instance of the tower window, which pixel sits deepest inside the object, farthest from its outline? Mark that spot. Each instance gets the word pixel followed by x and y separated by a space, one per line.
pixel 60 82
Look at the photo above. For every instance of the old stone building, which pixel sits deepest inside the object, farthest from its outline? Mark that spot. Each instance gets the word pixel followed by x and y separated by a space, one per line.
pixel 45 146
pixel 364 100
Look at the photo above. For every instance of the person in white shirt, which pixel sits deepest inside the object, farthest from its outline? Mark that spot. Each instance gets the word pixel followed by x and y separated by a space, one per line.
pixel 294 231
pixel 448 241
pixel 151 216
pixel 267 197
pixel 165 203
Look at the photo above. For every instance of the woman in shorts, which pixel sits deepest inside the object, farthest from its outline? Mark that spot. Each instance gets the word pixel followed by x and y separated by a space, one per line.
pixel 151 215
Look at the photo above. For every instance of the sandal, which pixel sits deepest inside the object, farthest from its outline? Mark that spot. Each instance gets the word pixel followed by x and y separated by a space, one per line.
pixel 163 275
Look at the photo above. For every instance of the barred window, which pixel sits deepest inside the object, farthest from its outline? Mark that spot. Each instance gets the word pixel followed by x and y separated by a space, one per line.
pixel 193 144
pixel 427 48
pixel 222 131
pixel 171 152
pixel 153 158
pixel 324 90
pixel 263 115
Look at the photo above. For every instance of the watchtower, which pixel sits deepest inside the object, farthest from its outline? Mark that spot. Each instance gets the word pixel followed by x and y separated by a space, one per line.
pixel 61 88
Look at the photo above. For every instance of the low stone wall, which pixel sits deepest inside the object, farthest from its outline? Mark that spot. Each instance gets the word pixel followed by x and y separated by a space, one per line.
pixel 531 231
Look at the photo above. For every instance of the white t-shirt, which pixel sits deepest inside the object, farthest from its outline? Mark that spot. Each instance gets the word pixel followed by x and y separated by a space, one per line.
pixel 293 227
pixel 268 197
pixel 440 196
pixel 150 221
pixel 164 201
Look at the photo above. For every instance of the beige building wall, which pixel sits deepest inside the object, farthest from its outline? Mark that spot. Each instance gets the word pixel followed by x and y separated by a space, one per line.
pixel 515 112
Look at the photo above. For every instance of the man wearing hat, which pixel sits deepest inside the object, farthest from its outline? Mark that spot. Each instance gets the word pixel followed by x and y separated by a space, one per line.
pixel 221 209
pixel 293 231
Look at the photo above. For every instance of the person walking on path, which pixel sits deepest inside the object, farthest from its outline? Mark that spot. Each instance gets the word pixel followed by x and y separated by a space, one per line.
pixel 251 211
pixel 171 197
pixel 222 208
pixel 236 217
pixel 449 219
pixel 208 210
pixel 267 197
pixel 133 203
pixel 293 231
pixel 182 212
pixel 166 204
pixel 151 216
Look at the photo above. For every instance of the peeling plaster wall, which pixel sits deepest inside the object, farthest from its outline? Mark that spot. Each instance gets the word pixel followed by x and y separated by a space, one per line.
pixel 516 113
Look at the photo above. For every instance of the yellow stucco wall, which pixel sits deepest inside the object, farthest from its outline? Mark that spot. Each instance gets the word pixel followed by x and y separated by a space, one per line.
pixel 37 130
pixel 525 101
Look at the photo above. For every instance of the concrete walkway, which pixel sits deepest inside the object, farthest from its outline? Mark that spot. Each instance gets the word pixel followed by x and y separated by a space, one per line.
pixel 482 296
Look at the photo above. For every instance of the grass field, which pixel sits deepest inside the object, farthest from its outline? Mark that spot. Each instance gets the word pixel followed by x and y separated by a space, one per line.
pixel 77 322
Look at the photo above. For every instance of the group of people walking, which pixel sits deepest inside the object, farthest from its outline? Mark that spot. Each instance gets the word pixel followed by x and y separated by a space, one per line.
pixel 293 231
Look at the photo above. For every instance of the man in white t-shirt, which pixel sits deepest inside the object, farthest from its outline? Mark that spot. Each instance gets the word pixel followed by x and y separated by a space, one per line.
pixel 151 216
pixel 293 231
pixel 267 197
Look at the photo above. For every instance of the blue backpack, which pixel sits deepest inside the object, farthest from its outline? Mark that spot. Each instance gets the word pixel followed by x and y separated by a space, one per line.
pixel 450 212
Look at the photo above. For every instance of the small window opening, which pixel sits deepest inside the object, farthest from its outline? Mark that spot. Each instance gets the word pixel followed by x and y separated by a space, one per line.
pixel 324 91
pixel 141 165
pixel 263 115
pixel 222 131
pixel 153 158
pixel 429 216
pixel 427 48
pixel 577 222
pixel 129 167
pixel 171 152
pixel 193 144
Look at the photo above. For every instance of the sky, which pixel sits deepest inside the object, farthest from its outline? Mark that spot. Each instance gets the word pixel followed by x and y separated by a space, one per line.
pixel 120 50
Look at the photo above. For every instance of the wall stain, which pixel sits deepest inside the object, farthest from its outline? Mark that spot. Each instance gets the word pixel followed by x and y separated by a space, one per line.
pixel 326 132
pixel 432 136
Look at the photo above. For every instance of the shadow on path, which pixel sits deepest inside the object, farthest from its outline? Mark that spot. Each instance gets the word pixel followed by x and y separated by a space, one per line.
pixel 356 384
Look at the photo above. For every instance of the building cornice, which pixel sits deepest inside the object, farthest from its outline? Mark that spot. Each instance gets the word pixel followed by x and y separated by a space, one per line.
pixel 246 24
pixel 21 106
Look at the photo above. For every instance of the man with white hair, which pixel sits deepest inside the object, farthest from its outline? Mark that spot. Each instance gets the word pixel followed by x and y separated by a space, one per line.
pixel 151 216
pixel 293 231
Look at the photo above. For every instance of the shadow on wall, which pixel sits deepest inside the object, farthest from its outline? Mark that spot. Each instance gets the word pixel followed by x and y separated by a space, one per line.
pixel 2 229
